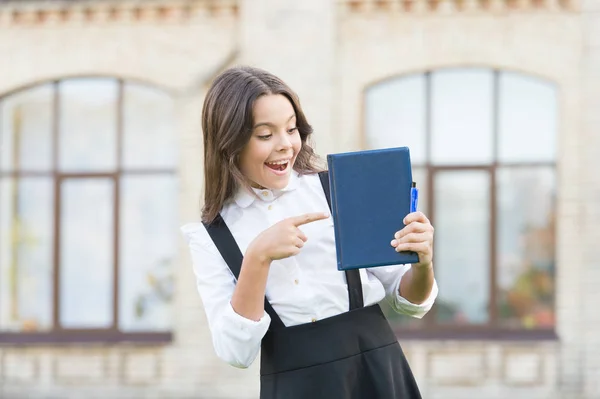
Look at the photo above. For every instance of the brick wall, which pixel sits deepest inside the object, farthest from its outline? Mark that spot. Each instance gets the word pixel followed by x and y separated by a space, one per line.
pixel 591 196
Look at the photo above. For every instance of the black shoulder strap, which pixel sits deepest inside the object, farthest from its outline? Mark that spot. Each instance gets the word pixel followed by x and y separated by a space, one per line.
pixel 225 243
pixel 355 294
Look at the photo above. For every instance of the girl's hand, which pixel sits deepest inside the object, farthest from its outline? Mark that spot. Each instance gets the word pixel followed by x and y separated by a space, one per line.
pixel 417 236
pixel 283 239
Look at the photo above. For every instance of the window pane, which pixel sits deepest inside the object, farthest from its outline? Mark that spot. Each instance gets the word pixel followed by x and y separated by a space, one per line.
pixel 148 249
pixel 88 125
pixel 462 116
pixel 149 140
pixel 462 246
pixel 526 242
pixel 86 253
pixel 26 227
pixel 26 131
pixel 395 116
pixel 527 119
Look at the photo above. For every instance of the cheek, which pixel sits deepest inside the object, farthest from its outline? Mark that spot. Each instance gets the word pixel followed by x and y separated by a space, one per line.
pixel 296 143
pixel 254 155
pixel 243 163
pixel 246 160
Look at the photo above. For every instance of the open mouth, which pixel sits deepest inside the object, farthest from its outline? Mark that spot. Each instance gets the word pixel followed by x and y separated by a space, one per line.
pixel 278 166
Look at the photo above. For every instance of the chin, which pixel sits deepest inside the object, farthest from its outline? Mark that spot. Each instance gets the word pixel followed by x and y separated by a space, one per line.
pixel 275 183
pixel 278 185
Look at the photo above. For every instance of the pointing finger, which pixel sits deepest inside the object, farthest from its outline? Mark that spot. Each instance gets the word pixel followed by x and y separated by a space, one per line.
pixel 308 218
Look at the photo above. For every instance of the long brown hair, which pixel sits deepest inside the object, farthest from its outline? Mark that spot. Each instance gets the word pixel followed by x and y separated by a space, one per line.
pixel 227 121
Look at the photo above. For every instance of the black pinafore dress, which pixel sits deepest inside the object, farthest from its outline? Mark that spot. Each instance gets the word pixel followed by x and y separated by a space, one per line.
pixel 354 355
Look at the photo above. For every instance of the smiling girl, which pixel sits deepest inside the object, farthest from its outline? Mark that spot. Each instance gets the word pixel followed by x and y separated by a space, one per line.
pixel 265 262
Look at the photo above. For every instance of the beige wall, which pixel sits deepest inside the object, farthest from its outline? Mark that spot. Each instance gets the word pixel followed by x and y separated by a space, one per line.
pixel 326 50
pixel 590 196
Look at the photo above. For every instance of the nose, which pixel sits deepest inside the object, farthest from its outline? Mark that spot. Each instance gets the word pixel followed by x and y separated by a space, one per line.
pixel 284 142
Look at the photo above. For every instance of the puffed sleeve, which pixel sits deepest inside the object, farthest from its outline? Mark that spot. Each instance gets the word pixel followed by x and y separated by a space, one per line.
pixel 390 277
pixel 236 339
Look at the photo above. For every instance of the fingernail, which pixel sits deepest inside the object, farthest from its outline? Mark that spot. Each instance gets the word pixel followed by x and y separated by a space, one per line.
pixel 404 221
pixel 394 243
pixel 397 235
pixel 326 214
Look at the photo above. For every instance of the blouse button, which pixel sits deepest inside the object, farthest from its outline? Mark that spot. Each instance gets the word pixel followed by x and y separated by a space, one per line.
pixel 296 281
pixel 313 319
pixel 265 193
pixel 270 207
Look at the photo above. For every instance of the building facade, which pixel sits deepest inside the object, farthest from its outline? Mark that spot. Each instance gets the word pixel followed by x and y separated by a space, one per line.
pixel 101 162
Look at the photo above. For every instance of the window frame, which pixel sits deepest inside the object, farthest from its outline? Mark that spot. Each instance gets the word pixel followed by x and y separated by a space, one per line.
pixel 429 328
pixel 57 334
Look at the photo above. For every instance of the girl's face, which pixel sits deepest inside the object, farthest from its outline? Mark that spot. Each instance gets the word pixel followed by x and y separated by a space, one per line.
pixel 268 159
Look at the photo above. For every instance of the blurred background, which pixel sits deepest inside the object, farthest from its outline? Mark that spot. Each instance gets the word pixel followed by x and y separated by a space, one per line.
pixel 101 162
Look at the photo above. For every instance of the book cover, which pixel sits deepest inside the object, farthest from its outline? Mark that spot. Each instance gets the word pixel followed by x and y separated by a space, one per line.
pixel 370 196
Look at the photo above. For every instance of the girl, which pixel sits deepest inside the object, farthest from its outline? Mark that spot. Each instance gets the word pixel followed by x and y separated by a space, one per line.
pixel 321 331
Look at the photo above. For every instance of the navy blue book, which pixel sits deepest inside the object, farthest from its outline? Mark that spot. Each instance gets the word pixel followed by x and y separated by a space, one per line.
pixel 370 196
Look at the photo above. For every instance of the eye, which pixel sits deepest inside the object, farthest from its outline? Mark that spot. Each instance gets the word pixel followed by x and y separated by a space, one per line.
pixel 292 130
pixel 265 136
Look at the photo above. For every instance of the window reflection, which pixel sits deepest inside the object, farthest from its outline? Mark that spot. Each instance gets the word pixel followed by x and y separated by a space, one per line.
pixel 26 130
pixel 26 211
pixel 147 252
pixel 526 243
pixel 86 247
pixel 88 125
pixel 462 247
pixel 147 128
pixel 462 116
pixel 395 116
pixel 528 123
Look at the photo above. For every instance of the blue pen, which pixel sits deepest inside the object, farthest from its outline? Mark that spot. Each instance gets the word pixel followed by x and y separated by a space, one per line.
pixel 414 197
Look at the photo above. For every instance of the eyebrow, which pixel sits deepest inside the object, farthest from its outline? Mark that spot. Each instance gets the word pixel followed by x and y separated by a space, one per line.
pixel 271 124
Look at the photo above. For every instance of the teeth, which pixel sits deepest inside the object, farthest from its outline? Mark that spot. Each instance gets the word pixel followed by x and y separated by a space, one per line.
pixel 278 163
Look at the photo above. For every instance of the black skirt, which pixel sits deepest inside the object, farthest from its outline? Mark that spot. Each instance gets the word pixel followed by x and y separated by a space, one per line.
pixel 354 355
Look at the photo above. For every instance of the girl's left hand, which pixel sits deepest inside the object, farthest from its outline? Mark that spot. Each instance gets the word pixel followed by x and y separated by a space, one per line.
pixel 416 236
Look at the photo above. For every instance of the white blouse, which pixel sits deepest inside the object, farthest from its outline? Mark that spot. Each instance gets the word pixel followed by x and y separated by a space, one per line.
pixel 302 288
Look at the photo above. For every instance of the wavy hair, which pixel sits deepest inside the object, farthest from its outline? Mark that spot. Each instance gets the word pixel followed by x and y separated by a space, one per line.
pixel 227 121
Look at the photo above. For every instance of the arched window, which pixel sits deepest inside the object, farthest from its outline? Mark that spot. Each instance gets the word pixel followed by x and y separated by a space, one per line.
pixel 483 148
pixel 88 190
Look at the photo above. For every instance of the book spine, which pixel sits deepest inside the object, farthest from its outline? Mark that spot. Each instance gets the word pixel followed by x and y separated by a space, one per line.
pixel 334 211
